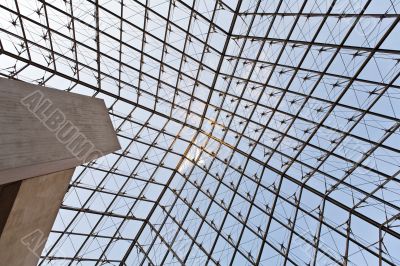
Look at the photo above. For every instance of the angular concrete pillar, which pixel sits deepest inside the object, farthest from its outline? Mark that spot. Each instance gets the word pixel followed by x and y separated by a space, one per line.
pixel 33 205
pixel 44 134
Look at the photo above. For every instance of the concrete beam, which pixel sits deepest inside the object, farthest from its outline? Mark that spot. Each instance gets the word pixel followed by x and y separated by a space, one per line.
pixel 44 134
pixel 28 209
pixel 45 130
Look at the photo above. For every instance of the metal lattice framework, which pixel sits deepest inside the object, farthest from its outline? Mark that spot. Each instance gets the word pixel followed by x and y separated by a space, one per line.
pixel 252 132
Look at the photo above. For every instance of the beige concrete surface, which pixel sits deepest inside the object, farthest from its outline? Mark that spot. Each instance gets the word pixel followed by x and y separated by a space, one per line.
pixel 45 130
pixel 27 223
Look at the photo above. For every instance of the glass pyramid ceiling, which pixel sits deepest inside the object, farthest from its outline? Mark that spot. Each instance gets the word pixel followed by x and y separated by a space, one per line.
pixel 252 132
